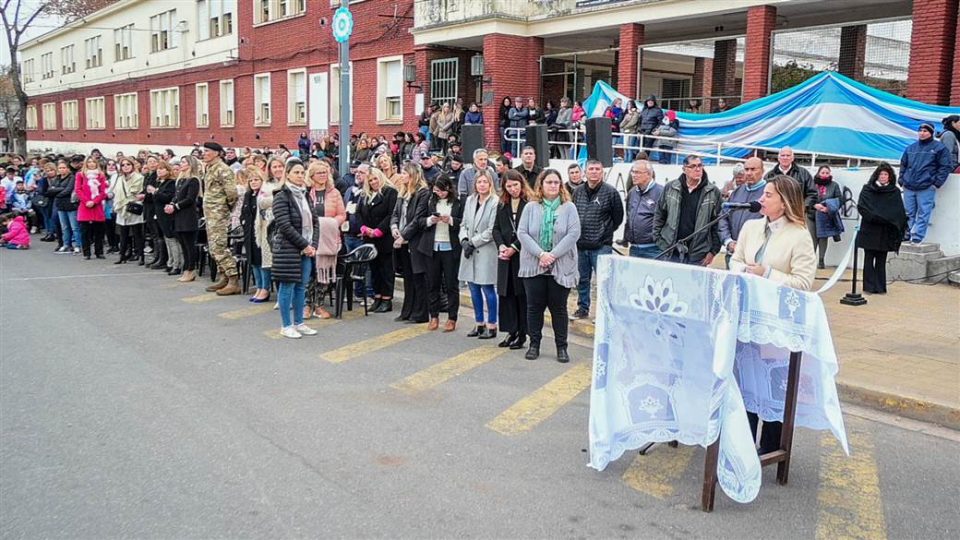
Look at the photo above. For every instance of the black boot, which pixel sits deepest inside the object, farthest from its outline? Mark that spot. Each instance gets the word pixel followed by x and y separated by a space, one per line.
pixel 122 260
pixel 533 352
pixel 562 356
pixel 375 306
pixel 488 333
pixel 386 306
pixel 518 342
pixel 507 341
pixel 476 331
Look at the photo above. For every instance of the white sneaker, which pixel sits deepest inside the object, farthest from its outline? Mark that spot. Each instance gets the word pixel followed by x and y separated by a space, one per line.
pixel 276 306
pixel 76 251
pixel 63 249
pixel 306 330
pixel 33 230
pixel 290 332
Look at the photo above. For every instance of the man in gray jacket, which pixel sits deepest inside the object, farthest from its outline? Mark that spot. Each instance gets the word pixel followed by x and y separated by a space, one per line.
pixel 686 206
pixel 480 162
pixel 641 206
pixel 749 191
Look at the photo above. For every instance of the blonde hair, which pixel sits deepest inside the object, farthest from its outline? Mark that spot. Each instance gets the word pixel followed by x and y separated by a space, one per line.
pixel 416 182
pixel 194 171
pixel 314 168
pixel 484 173
pixel 791 193
pixel 369 193
pixel 249 173
pixel 538 186
pixel 391 169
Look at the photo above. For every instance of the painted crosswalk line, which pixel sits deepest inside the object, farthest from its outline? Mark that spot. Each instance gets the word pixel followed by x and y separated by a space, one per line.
pixel 659 471
pixel 243 313
pixel 850 505
pixel 448 369
pixel 360 348
pixel 201 298
pixel 530 411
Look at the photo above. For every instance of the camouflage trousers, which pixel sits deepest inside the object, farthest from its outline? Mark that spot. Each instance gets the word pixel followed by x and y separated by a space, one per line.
pixel 217 225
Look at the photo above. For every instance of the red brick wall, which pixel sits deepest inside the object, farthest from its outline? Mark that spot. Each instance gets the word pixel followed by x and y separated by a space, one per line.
pixel 702 77
pixel 724 68
pixel 931 51
pixel 761 20
pixel 955 100
pixel 853 50
pixel 628 68
pixel 513 64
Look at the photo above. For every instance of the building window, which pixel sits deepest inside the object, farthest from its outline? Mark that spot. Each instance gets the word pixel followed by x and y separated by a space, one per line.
pixel 49 116
pixel 261 99
pixel 162 33
pixel 94 53
pixel 335 93
pixel 125 113
pixel 71 114
pixel 31 117
pixel 265 11
pixel 123 43
pixel 67 63
pixel 165 108
pixel 443 80
pixel 297 97
pixel 26 71
pixel 215 18
pixel 203 105
pixel 227 111
pixel 46 65
pixel 390 89
pixel 95 113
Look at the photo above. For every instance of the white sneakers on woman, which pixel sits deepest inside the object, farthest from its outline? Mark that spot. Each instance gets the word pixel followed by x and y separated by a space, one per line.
pixel 297 332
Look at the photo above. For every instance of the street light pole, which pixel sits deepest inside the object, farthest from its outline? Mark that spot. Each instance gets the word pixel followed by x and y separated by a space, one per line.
pixel 344 106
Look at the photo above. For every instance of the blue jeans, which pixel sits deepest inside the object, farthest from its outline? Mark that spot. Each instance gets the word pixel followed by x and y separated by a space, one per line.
pixel 71 228
pixel 587 264
pixel 292 295
pixel 919 206
pixel 477 295
pixel 645 252
pixel 261 277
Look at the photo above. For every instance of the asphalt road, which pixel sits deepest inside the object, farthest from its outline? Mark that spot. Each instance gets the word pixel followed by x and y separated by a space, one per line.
pixel 134 407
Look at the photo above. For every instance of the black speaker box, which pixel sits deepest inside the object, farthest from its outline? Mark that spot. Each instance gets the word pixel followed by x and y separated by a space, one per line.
pixel 600 140
pixel 537 138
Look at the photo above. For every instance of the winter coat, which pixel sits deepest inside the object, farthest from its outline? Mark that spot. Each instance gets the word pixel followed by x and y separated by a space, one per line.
pixel 949 139
pixel 669 128
pixel 86 193
pixel 667 219
pixel 286 239
pixel 519 117
pixel 473 118
pixel 829 223
pixel 505 234
pixel 650 117
pixel 924 164
pixel 630 122
pixel 375 214
pixel 564 118
pixel 62 191
pixel 165 194
pixel 416 218
pixel 303 144
pixel 149 206
pixel 477 227
pixel 600 212
pixel 332 207
pixel 802 175
pixel 424 244
pixel 566 232
pixel 17 232
pixel 641 207
pixel 883 219
pixel 186 218
pixel 730 226
pixel 264 220
pixel 125 191
pixel 248 218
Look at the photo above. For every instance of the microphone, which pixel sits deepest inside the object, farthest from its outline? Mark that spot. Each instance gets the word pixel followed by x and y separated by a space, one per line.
pixel 752 206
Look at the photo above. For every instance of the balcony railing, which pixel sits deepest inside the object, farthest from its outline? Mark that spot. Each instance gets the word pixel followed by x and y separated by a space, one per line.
pixel 435 13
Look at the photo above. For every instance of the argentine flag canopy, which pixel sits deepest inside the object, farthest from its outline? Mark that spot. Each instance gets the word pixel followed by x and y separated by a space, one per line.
pixel 827 114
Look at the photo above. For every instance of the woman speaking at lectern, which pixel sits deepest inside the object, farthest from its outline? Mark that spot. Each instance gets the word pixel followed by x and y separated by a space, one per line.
pixel 777 247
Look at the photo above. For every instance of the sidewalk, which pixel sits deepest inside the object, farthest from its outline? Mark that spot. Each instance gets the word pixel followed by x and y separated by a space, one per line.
pixel 899 353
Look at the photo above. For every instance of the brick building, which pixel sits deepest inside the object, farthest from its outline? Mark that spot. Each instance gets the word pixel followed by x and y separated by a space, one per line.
pixel 259 72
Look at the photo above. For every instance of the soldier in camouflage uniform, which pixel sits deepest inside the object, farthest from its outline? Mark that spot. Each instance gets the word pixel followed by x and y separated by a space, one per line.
pixel 219 196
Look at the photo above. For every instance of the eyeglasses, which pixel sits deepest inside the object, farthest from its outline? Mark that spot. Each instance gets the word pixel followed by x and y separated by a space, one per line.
pixel 639 172
pixel 694 166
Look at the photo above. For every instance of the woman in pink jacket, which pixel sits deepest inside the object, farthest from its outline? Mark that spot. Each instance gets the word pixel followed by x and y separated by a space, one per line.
pixel 91 189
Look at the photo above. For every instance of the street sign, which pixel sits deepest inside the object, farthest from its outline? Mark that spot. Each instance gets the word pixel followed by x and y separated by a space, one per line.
pixel 342 24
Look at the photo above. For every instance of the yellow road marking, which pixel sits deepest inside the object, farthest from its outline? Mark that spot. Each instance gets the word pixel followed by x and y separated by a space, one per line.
pixel 360 348
pixel 527 413
pixel 448 369
pixel 256 309
pixel 657 472
pixel 849 496
pixel 200 298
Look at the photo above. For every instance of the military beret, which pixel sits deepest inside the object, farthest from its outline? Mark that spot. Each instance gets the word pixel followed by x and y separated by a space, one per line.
pixel 213 145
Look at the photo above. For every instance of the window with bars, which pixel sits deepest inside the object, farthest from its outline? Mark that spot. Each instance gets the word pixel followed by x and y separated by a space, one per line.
pixel 125 113
pixel 96 113
pixel 165 108
pixel 49 116
pixel 123 43
pixel 227 111
pixel 443 80
pixel 261 99
pixel 67 63
pixel 162 33
pixel 203 105
pixel 94 53
pixel 46 65
pixel 31 117
pixel 215 18
pixel 297 97
pixel 26 71
pixel 71 114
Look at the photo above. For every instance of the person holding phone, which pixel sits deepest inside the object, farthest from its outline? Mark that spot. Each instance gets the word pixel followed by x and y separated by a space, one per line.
pixel 437 243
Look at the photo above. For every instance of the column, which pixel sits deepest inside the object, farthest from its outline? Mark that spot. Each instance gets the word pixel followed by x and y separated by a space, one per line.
pixel 512 64
pixel 702 78
pixel 955 100
pixel 853 51
pixel 932 49
pixel 725 68
pixel 761 20
pixel 628 67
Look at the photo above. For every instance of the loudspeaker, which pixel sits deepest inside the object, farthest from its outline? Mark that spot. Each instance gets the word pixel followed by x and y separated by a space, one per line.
pixel 537 138
pixel 471 138
pixel 600 140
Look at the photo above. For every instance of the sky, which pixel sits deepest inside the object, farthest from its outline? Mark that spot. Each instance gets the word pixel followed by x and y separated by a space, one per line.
pixel 40 26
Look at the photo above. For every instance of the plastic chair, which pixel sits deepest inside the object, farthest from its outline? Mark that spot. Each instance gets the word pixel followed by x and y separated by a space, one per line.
pixel 355 265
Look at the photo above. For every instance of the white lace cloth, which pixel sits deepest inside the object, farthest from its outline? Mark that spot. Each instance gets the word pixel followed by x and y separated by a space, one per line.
pixel 682 351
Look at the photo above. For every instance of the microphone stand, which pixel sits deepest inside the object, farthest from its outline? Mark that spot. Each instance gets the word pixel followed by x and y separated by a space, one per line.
pixel 681 245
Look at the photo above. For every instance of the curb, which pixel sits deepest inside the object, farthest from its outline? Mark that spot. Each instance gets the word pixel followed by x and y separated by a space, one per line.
pixel 888 402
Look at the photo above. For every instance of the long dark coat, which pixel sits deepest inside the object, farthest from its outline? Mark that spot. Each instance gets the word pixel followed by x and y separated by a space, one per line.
pixel 285 236
pixel 505 234
pixel 424 244
pixel 376 214
pixel 186 219
pixel 883 219
pixel 248 218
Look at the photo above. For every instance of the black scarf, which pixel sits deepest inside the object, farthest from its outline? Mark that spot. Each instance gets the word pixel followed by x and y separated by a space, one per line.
pixel 883 203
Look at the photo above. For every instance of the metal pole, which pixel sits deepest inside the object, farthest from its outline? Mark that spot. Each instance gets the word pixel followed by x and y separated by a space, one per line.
pixel 344 107
pixel 853 298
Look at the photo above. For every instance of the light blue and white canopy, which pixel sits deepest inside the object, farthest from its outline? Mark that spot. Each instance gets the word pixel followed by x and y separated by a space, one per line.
pixel 827 114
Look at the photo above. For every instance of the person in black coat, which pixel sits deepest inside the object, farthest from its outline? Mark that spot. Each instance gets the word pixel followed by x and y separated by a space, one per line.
pixel 438 243
pixel 406 225
pixel 248 222
pixel 827 189
pixel 152 228
pixel 61 191
pixel 883 221
pixel 186 219
pixel 376 208
pixel 163 194
pixel 513 301
pixel 290 239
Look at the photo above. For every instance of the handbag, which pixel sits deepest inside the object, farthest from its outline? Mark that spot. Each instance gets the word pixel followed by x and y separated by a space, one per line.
pixel 134 208
pixel 41 201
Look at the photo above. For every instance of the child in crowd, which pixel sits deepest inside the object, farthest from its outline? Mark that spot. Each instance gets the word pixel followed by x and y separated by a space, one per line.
pixel 17 235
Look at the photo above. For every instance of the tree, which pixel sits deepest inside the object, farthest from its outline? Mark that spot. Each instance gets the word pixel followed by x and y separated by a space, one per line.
pixel 18 17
